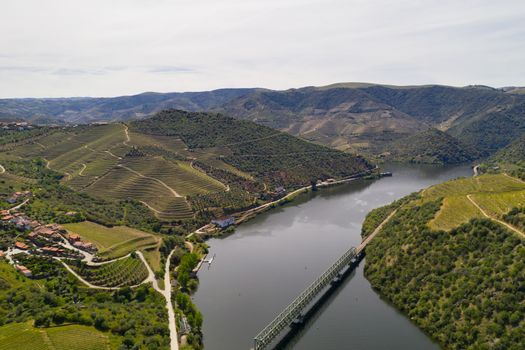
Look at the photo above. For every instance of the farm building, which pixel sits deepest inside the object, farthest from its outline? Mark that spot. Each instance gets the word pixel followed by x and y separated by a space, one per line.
pixel 224 222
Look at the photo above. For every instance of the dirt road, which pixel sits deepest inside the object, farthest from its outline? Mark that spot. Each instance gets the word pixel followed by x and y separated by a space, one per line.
pixel 509 226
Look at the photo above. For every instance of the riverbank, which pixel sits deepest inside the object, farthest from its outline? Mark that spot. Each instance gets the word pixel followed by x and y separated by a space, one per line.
pixel 270 259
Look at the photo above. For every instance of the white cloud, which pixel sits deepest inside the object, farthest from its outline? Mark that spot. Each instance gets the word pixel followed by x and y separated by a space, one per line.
pixel 107 48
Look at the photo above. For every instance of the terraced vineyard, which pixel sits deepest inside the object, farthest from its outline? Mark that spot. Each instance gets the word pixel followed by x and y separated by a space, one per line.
pixel 177 174
pixel 495 194
pixel 129 271
pixel 121 183
pixel 22 336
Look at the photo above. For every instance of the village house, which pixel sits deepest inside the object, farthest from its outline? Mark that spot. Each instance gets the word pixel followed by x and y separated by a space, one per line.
pixel 280 190
pixel 17 196
pixel 224 222
pixel 22 222
pixel 48 233
pixel 7 218
pixel 73 237
pixel 24 270
pixel 21 245
pixel 52 251
pixel 86 246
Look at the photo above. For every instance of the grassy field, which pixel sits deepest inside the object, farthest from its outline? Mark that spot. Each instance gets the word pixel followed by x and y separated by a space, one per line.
pixel 115 241
pixel 129 271
pixel 152 256
pixel 495 193
pixel 23 336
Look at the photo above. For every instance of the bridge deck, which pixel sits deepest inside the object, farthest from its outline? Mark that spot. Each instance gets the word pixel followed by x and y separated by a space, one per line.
pixel 293 311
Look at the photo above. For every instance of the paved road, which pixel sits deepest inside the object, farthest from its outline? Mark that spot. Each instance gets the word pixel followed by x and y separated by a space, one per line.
pixel 509 226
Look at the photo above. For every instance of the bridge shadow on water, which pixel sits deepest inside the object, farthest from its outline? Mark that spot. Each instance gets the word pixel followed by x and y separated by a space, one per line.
pixel 296 331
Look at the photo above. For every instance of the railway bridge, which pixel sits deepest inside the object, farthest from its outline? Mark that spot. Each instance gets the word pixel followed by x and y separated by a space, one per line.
pixel 293 312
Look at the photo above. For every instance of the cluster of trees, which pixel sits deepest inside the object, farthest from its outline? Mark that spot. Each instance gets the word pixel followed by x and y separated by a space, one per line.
pixel 33 169
pixel 8 137
pixel 194 318
pixel 52 202
pixel 464 287
pixel 378 215
pixel 215 204
pixel 432 146
pixel 229 178
pixel 516 217
pixel 185 276
pixel 137 315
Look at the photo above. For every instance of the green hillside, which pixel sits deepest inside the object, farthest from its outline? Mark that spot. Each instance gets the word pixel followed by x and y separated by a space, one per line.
pixel 513 153
pixel 354 117
pixel 452 259
pixel 431 146
pixel 269 155
pixel 368 117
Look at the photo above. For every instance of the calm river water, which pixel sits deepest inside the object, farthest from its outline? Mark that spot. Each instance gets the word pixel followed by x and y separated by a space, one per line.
pixel 261 268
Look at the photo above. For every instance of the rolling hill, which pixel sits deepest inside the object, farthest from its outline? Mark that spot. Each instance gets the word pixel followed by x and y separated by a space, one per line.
pixel 451 259
pixel 367 118
pixel 357 117
pixel 182 166
pixel 431 146
pixel 85 110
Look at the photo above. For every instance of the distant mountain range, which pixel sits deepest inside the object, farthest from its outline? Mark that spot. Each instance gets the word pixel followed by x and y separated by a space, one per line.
pixel 358 117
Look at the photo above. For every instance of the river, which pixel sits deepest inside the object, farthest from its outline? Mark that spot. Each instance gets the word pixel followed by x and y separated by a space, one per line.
pixel 267 262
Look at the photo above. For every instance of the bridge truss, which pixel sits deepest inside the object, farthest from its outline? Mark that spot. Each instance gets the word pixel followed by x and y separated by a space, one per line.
pixel 293 311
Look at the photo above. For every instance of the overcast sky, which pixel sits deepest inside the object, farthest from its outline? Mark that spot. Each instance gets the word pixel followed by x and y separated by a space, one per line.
pixel 58 48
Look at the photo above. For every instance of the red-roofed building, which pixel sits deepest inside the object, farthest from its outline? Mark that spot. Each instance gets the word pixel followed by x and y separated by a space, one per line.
pixel 21 245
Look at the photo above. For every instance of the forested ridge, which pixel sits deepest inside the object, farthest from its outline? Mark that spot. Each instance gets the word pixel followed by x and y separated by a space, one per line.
pixel 465 288
pixel 272 156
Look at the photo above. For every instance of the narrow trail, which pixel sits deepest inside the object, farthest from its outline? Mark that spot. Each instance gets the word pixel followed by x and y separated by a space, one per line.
pixel 126 132
pixel 84 166
pixel 509 226
pixel 151 178
pixel 514 178
pixel 112 154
